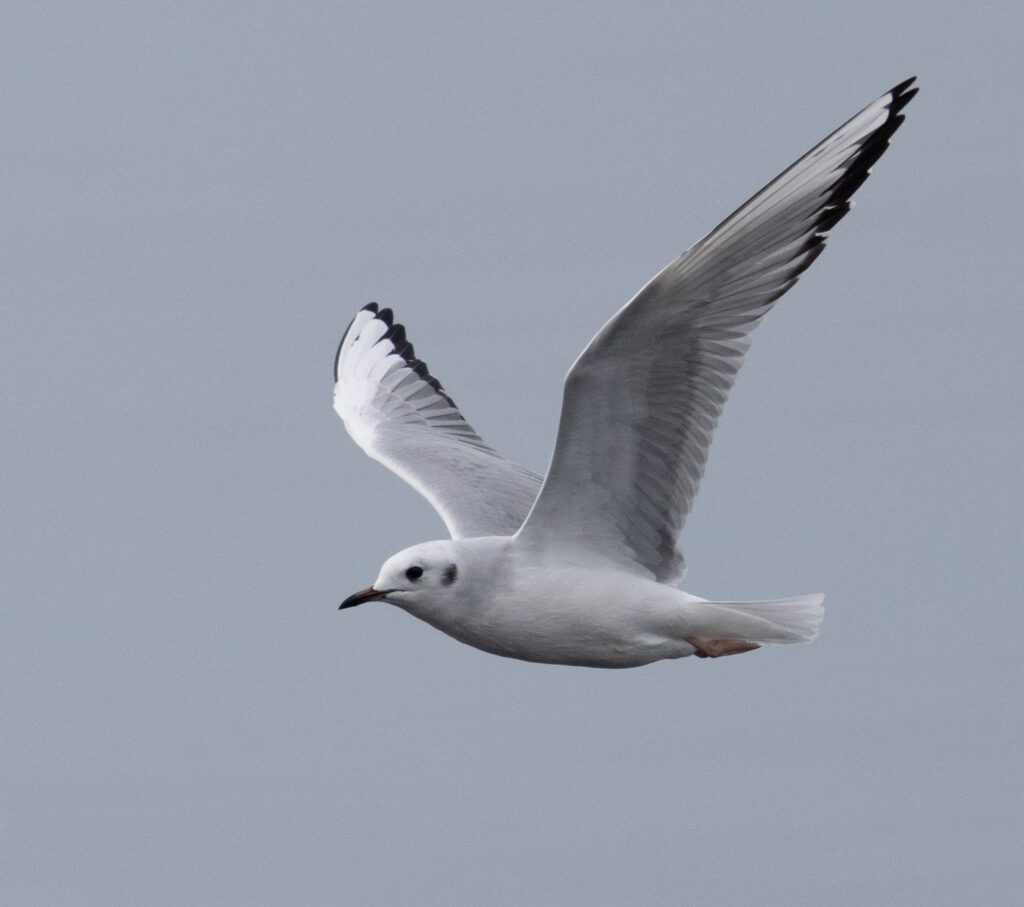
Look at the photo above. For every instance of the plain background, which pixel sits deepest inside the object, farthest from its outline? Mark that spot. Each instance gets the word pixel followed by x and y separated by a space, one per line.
pixel 196 200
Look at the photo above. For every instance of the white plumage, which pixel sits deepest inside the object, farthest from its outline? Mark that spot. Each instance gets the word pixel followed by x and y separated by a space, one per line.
pixel 580 569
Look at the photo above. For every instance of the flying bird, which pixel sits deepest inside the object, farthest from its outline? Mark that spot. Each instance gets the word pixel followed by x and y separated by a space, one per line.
pixel 581 567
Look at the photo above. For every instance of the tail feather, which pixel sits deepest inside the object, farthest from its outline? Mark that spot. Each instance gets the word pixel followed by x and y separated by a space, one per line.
pixel 784 620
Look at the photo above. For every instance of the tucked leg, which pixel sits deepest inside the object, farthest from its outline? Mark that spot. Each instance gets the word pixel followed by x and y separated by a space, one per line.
pixel 716 648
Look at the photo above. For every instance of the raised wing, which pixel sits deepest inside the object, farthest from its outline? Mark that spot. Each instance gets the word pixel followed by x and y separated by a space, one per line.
pixel 641 402
pixel 398 413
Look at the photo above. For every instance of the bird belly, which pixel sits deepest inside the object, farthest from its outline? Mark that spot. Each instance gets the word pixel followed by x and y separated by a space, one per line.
pixel 608 624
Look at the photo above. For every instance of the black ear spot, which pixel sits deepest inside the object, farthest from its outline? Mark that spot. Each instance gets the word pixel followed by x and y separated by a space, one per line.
pixel 450 574
pixel 414 573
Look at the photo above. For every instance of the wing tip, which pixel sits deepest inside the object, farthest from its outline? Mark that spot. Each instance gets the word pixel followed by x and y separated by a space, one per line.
pixel 901 94
pixel 371 307
pixel 396 336
pixel 393 331
pixel 871 149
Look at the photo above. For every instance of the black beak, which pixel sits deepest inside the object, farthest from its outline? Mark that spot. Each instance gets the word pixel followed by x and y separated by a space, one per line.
pixel 367 595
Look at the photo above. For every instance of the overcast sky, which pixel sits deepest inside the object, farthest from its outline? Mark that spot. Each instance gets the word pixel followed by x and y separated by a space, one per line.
pixel 196 200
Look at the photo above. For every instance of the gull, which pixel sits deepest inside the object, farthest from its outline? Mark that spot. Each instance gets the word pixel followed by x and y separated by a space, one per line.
pixel 581 568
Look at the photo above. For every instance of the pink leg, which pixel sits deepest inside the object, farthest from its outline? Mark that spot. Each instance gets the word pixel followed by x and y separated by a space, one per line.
pixel 716 648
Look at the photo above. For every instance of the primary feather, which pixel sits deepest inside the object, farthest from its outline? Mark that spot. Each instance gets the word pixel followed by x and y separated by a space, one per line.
pixel 398 413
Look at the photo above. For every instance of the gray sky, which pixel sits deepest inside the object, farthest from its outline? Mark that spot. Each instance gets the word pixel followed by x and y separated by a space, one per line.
pixel 198 197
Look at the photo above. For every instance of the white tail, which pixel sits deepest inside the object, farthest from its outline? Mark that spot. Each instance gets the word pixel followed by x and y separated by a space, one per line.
pixel 784 620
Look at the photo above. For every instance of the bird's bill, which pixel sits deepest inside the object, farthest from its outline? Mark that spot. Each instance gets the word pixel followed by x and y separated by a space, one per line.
pixel 368 594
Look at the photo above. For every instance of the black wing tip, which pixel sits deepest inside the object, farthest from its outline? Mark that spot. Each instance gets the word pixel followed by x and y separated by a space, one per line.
pixel 395 335
pixel 870 151
pixel 369 307
pixel 901 94
pixel 899 97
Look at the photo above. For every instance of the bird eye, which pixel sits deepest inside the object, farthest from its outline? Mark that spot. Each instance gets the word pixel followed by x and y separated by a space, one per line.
pixel 414 573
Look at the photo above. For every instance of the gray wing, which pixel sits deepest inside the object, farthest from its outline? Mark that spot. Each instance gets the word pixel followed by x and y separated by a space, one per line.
pixel 398 413
pixel 641 402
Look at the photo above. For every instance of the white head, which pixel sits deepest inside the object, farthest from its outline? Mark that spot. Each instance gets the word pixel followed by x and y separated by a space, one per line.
pixel 426 579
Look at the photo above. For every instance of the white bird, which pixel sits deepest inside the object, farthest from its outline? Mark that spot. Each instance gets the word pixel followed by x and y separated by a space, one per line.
pixel 581 568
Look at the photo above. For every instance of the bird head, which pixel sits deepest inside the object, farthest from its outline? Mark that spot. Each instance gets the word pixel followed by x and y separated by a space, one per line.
pixel 425 573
